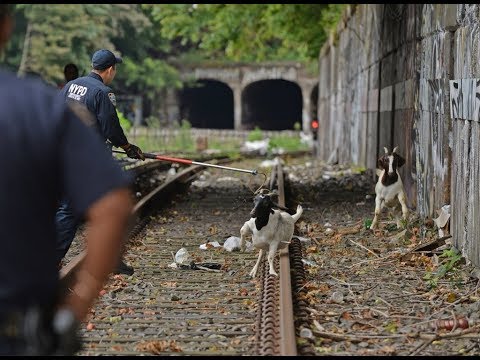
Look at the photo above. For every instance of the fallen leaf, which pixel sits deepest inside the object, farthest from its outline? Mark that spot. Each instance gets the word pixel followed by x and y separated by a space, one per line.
pixel 157 347
pixel 243 292
pixel 346 315
pixel 451 297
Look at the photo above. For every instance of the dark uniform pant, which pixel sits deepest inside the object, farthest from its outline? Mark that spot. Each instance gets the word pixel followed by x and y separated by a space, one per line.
pixel 67 224
pixel 11 346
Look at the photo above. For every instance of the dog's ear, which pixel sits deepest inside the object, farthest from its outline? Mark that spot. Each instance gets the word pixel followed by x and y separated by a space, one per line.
pixel 401 160
pixel 381 163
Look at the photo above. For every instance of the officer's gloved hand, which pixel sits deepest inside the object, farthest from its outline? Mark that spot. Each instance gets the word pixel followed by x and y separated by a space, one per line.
pixel 134 152
pixel 50 334
pixel 65 327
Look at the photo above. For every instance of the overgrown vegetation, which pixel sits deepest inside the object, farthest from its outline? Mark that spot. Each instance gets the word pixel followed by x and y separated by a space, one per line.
pixel 47 36
pixel 287 143
pixel 255 135
pixel 124 122
pixel 253 32
pixel 450 258
pixel 184 139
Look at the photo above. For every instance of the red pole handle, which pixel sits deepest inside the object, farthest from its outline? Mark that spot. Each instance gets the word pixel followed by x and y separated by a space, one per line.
pixel 172 159
pixel 189 162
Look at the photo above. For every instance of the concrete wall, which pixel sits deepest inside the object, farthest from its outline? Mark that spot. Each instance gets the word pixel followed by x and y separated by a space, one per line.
pixel 407 75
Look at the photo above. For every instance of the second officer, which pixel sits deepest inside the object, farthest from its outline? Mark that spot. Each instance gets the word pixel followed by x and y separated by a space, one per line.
pixel 93 91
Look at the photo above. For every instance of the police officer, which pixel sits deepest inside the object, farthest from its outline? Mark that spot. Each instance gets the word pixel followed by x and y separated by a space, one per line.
pixel 93 91
pixel 70 72
pixel 42 135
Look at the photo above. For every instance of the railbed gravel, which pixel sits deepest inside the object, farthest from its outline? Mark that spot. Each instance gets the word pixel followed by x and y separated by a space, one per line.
pixel 367 292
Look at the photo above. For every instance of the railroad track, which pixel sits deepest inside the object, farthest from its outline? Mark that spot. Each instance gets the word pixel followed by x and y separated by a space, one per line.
pixel 209 306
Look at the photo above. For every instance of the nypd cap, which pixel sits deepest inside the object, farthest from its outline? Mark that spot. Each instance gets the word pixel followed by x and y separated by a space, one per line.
pixel 103 59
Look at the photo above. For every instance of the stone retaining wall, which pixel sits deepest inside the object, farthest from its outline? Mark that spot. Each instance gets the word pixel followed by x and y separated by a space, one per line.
pixel 407 75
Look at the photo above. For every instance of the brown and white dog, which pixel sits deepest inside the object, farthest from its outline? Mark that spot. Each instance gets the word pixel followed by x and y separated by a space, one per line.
pixel 389 185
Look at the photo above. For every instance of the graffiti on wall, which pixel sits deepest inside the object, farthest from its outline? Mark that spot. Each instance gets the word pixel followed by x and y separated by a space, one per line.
pixel 465 99
pixel 431 95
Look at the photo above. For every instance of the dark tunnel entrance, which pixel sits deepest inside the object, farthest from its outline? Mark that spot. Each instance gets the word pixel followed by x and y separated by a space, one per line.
pixel 207 104
pixel 272 105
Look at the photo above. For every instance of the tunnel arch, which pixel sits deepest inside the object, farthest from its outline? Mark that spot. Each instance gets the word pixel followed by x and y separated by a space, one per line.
pixel 207 104
pixel 271 105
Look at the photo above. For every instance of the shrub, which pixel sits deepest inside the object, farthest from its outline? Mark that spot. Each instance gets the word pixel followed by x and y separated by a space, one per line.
pixel 287 143
pixel 184 139
pixel 255 135
pixel 124 122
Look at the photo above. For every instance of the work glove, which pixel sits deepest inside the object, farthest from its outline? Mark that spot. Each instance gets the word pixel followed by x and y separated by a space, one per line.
pixel 51 334
pixel 65 327
pixel 134 152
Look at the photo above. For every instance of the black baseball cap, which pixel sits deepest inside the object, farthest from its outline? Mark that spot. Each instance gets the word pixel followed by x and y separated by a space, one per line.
pixel 104 58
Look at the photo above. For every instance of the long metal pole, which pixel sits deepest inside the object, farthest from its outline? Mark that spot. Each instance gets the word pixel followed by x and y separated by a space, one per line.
pixel 190 162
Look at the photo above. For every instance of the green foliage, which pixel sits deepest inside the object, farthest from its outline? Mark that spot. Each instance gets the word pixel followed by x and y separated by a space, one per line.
pixel 148 76
pixel 184 140
pixel 391 327
pixel 50 35
pixel 147 36
pixel 367 223
pixel 391 227
pixel 288 143
pixel 124 122
pixel 450 259
pixel 231 146
pixel 47 36
pixel 250 32
pixel 153 122
pixel 255 135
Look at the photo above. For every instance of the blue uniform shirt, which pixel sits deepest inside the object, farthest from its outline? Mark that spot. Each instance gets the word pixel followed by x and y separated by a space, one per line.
pixel 47 154
pixel 100 100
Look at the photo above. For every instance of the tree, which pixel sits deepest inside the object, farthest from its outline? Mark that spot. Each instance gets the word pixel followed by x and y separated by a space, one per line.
pixel 250 32
pixel 151 36
pixel 55 34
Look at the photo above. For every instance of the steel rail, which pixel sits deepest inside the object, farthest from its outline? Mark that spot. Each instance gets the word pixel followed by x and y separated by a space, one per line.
pixel 184 176
pixel 143 206
pixel 287 325
pixel 276 324
pixel 276 335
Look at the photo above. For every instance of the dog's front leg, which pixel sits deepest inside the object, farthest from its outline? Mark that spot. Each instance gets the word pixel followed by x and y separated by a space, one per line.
pixel 244 231
pixel 271 256
pixel 402 199
pixel 378 204
pixel 253 273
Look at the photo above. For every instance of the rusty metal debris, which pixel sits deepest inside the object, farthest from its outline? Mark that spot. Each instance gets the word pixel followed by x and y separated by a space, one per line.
pixel 451 324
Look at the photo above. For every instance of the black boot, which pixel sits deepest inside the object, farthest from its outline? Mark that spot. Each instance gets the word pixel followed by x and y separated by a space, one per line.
pixel 123 268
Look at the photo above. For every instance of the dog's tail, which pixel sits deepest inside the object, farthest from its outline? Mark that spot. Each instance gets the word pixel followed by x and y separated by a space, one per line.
pixel 299 212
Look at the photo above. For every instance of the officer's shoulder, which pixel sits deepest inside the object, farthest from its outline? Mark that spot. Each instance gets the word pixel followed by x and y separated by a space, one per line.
pixel 32 86
pixel 107 89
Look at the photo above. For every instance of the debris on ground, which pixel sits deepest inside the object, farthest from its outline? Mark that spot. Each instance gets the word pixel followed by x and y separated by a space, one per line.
pixel 393 291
